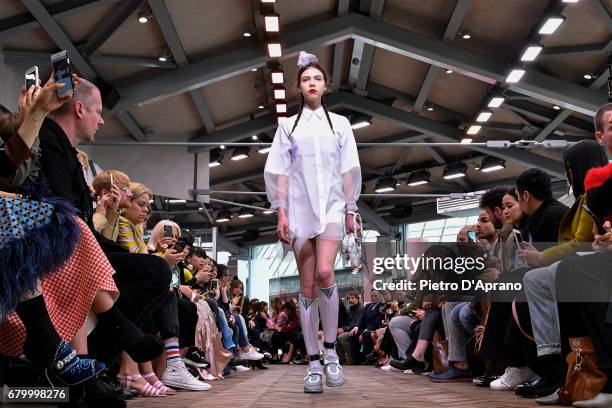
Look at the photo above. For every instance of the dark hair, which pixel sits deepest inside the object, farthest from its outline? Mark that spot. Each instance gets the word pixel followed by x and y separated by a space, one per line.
pixel 598 121
pixel 512 192
pixel 536 182
pixel 9 125
pixel 197 251
pixel 289 307
pixel 581 157
pixel 352 293
pixel 301 108
pixel 493 198
pixel 223 270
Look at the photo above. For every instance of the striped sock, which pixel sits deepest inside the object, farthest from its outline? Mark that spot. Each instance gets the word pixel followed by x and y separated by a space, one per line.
pixel 172 351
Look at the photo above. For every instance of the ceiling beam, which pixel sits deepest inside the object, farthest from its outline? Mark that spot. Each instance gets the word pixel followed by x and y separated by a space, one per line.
pixel 461 7
pixel 17 57
pixel 545 114
pixel 130 123
pixel 565 113
pixel 583 49
pixel 258 19
pixel 59 11
pixel 173 41
pixel 363 54
pixel 603 12
pixel 374 32
pixel 373 219
pixel 446 133
pixel 109 25
pixel 343 9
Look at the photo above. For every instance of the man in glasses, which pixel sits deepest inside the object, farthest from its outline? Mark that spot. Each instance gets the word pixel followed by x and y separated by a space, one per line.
pixel 112 193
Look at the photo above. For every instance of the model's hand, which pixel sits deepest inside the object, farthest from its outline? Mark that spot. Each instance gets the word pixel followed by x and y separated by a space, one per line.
pixel 282 229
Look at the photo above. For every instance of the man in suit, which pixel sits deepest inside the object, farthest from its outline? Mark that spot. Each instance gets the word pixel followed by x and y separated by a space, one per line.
pixel 369 321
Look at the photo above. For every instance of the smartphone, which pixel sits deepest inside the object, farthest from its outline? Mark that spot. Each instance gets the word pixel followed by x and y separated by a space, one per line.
pixel 598 221
pixel 214 284
pixel 31 77
pixel 471 234
pixel 168 231
pixel 111 180
pixel 62 72
pixel 518 237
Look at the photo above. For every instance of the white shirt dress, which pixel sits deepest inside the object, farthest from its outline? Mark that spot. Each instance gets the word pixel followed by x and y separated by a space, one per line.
pixel 314 174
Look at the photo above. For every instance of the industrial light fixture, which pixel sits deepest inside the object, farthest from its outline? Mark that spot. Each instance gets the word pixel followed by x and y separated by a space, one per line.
pixel 430 108
pixel 466 140
pixel 268 210
pixel 224 216
pixel 222 147
pixel 261 106
pixel 571 1
pixel 496 102
pixel 280 119
pixel 589 76
pixel 359 121
pixel 484 116
pixel 531 53
pixel 268 1
pixel 465 35
pixel 272 22
pixel 455 170
pixel 216 158
pixel 556 107
pixel 384 185
pixel 246 213
pixel 449 71
pixel 280 93
pixel 247 34
pixel 143 17
pixel 174 201
pixel 164 57
pixel 474 129
pixel 401 211
pixel 277 75
pixel 254 137
pixel 281 107
pixel 253 69
pixel 418 178
pixel 240 153
pixel 264 149
pixel 274 49
pixel 490 163
pixel 515 75
pixel 551 24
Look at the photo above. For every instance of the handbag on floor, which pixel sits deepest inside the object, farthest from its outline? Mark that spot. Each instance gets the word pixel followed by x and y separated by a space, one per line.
pixel 584 379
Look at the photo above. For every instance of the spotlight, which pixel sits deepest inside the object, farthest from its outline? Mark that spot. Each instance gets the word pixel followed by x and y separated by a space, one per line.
pixel 246 213
pixel 278 76
pixel 531 53
pixel 359 121
pixel 453 171
pixel 247 34
pixel 163 57
pixel 274 49
pixel 384 185
pixel 224 216
pixel 484 116
pixel 430 108
pixel 418 178
pixel 551 25
pixel 449 71
pixel 515 75
pixel 466 35
pixel 240 153
pixel 496 102
pixel 254 137
pixel 253 69
pixel 280 93
pixel 143 18
pixel 491 163
pixel 268 211
pixel 216 158
pixel 474 129
pixel 589 76
pixel 556 107
pixel 272 22
pixel 261 106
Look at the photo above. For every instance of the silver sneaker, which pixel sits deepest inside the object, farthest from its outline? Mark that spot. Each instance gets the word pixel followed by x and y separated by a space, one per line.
pixel 313 382
pixel 334 377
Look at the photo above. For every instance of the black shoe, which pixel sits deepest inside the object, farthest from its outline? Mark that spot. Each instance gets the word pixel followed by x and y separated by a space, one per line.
pixel 410 363
pixel 370 359
pixel 194 358
pixel 538 388
pixel 484 380
pixel 113 384
pixel 100 394
pixel 237 361
pixel 258 364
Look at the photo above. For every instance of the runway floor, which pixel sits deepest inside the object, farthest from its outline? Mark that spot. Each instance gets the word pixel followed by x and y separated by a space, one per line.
pixel 281 386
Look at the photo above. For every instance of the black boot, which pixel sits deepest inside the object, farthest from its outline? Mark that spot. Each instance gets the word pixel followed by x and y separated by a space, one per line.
pixel 549 369
pixel 99 394
pixel 115 327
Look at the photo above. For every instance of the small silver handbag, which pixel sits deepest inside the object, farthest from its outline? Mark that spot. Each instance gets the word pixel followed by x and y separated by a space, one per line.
pixel 351 245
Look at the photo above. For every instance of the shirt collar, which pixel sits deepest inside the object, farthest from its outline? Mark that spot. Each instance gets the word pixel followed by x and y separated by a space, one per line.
pixel 307 113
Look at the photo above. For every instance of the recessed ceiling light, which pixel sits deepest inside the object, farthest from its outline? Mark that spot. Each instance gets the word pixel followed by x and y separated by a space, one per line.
pixel 495 102
pixel 484 116
pixel 143 18
pixel 588 76
pixel 466 140
pixel 275 50
pixel 449 71
pixel 551 24
pixel 531 53
pixel 222 147
pixel 466 35
pixel 515 75
pixel 556 107
pixel 272 23
pixel 430 108
pixel 261 106
pixel 253 69
pixel 254 137
pixel 474 129
pixel 247 34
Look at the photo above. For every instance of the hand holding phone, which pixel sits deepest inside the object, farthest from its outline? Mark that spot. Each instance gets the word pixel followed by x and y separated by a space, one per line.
pixel 62 73
pixel 471 235
pixel 598 221
pixel 168 233
pixel 31 78
pixel 518 237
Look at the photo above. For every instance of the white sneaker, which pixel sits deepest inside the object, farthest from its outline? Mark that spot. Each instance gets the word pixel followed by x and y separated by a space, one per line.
pixel 250 355
pixel 241 368
pixel 388 367
pixel 177 376
pixel 513 377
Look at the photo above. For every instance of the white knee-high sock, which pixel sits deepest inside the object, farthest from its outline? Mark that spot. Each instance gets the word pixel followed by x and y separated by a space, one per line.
pixel 309 318
pixel 328 306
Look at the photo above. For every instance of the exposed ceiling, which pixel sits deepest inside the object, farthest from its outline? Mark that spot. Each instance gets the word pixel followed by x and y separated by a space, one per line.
pixel 389 59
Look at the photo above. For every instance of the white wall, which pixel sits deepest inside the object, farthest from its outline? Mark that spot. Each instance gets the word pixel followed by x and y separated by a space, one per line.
pixel 11 79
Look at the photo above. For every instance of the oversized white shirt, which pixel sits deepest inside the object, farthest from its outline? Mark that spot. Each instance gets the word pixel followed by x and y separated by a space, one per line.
pixel 314 174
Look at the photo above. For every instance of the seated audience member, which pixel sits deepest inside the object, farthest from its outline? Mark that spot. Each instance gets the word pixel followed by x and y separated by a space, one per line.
pixel 360 335
pixel 285 332
pixel 575 234
pixel 111 199
pixel 343 345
